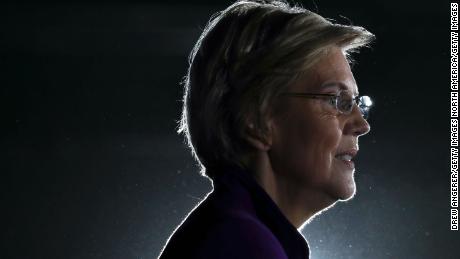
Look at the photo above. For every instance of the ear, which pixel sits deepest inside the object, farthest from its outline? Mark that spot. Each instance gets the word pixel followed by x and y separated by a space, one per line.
pixel 257 139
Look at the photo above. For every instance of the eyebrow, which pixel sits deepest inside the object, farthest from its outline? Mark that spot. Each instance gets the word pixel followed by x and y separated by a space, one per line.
pixel 341 85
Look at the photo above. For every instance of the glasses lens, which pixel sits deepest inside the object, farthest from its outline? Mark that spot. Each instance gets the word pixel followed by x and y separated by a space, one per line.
pixel 345 102
pixel 364 105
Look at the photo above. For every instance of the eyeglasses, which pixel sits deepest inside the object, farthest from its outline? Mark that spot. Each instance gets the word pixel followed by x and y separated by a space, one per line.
pixel 343 101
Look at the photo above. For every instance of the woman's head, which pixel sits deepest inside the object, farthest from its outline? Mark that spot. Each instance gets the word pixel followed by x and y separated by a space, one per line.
pixel 246 57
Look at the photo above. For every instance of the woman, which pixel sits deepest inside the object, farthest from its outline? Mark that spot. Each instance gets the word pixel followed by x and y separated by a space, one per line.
pixel 272 114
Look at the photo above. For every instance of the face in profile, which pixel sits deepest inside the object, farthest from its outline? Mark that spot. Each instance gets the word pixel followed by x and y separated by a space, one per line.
pixel 313 143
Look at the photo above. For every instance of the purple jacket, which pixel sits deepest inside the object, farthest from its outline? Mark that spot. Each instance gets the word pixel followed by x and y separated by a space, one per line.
pixel 237 220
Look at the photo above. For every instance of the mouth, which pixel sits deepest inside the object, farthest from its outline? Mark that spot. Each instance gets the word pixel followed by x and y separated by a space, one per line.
pixel 346 157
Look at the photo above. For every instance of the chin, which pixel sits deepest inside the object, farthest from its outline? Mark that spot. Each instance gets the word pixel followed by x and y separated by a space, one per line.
pixel 348 196
pixel 344 193
pixel 349 192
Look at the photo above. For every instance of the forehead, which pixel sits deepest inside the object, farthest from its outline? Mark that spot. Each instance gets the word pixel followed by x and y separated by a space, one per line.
pixel 330 72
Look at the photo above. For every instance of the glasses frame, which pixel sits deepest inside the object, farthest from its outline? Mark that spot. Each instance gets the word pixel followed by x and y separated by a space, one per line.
pixel 359 100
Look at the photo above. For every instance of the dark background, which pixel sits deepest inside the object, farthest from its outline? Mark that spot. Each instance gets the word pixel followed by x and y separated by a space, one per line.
pixel 91 166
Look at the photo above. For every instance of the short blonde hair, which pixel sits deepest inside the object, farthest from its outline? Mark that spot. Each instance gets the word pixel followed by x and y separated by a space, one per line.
pixel 248 54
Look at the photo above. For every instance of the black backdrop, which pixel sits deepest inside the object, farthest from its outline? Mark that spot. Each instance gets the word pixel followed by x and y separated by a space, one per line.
pixel 91 166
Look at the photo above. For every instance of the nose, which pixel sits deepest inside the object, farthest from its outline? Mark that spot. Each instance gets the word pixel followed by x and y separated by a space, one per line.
pixel 356 125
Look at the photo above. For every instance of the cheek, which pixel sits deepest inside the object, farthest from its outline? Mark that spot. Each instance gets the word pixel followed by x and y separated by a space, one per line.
pixel 306 146
pixel 323 142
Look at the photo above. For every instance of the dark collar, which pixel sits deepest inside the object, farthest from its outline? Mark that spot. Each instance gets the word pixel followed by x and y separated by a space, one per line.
pixel 266 210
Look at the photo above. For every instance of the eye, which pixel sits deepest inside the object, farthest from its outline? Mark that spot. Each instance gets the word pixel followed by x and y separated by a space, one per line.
pixel 333 100
pixel 345 101
pixel 345 105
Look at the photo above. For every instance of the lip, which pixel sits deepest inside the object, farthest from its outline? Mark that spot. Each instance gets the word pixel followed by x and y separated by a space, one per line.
pixel 348 164
pixel 351 152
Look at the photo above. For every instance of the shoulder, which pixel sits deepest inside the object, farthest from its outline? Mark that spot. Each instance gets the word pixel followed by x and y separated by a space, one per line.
pixel 240 235
pixel 233 235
